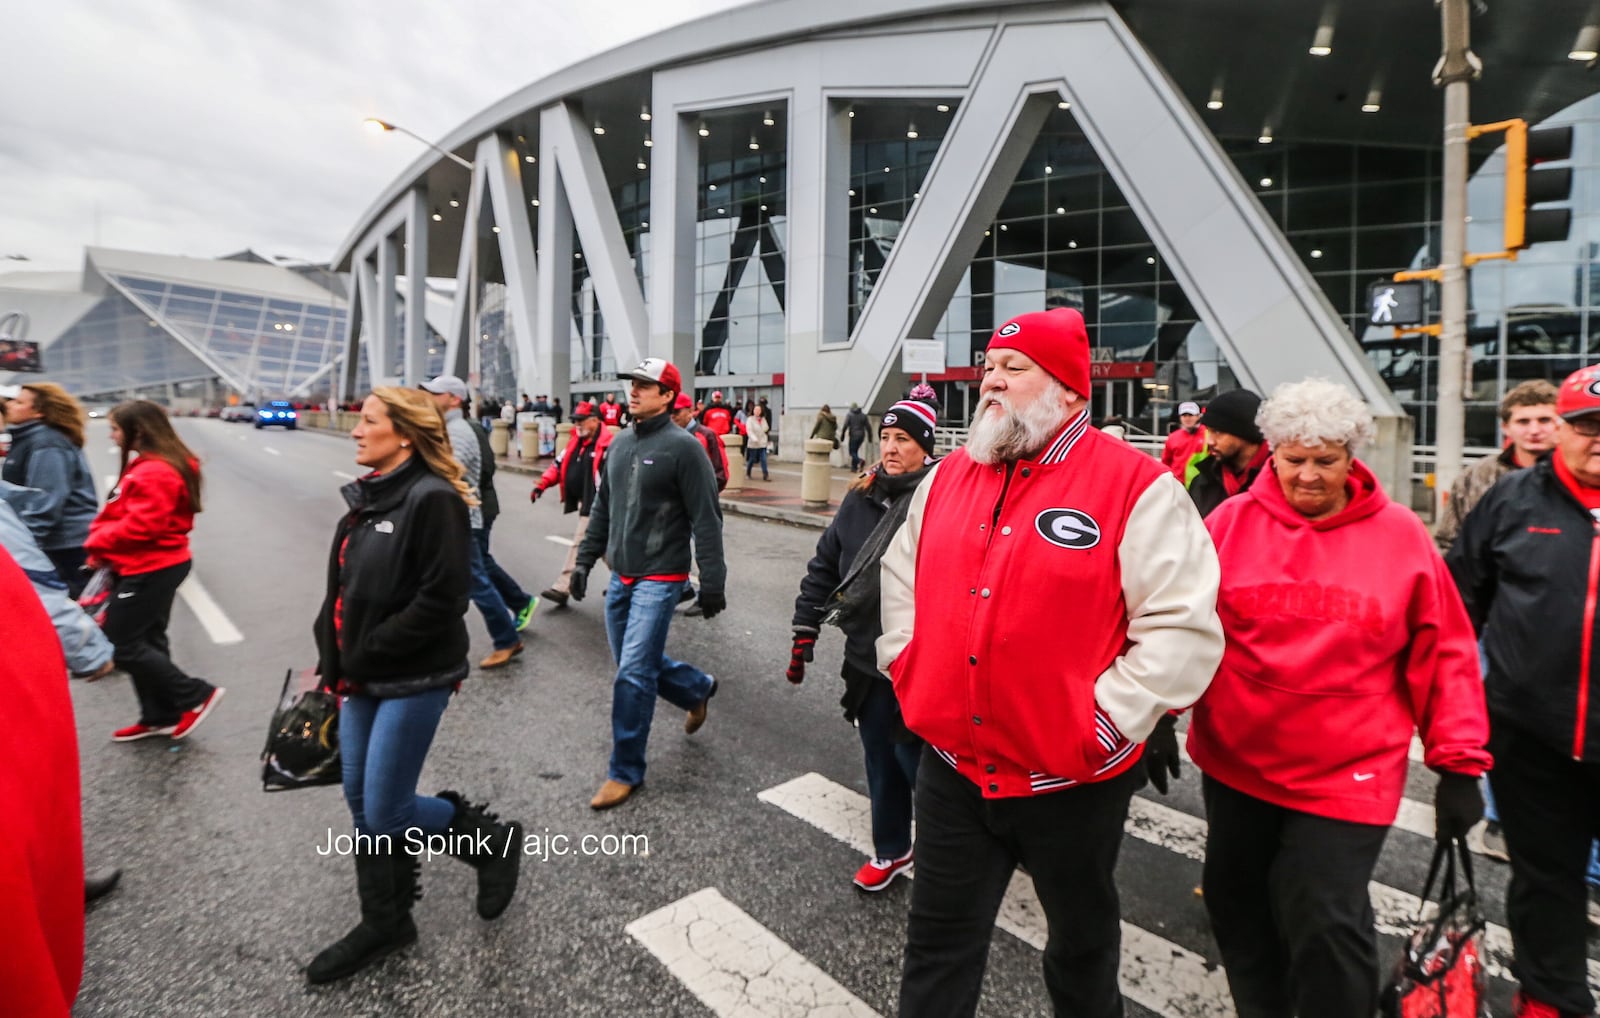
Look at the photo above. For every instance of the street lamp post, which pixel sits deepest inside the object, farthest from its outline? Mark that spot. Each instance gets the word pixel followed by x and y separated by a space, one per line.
pixel 382 126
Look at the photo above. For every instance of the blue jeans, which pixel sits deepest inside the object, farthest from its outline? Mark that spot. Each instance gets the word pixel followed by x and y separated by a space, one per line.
pixel 637 619
pixel 510 590
pixel 502 628
pixel 891 771
pixel 382 744
pixel 757 456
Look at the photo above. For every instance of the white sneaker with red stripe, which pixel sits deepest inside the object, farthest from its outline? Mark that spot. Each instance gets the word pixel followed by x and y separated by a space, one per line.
pixel 876 874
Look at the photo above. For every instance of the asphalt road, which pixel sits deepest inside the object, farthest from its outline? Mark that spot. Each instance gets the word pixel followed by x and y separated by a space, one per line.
pixel 225 897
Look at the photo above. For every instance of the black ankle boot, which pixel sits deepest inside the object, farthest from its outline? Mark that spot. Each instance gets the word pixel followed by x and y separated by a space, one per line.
pixel 494 849
pixel 387 885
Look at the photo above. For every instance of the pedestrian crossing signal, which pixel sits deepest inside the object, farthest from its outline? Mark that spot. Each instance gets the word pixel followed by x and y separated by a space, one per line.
pixel 1391 303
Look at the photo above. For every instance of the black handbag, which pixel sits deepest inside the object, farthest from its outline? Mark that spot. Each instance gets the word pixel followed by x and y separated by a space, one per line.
pixel 302 748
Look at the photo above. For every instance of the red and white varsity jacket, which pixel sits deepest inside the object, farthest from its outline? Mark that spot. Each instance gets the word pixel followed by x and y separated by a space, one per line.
pixel 1065 603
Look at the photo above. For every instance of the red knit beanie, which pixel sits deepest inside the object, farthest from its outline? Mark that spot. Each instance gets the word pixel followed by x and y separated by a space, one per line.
pixel 1056 340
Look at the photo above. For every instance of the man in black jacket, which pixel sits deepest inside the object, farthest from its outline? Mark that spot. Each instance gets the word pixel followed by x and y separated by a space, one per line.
pixel 1235 450
pixel 521 603
pixel 1527 562
pixel 656 493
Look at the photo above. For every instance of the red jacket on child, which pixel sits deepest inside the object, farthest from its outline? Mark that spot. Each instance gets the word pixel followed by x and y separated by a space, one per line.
pixel 146 520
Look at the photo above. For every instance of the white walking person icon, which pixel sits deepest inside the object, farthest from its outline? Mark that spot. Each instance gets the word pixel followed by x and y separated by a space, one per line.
pixel 1383 305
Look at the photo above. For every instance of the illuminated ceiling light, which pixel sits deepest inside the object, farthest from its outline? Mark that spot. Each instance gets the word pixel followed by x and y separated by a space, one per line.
pixel 1072 243
pixel 911 130
pixel 1587 47
pixel 852 192
pixel 703 131
pixel 943 107
pixel 763 208
pixel 1004 227
pixel 766 119
pixel 1374 101
pixel 1322 42
pixel 872 211
pixel 648 143
pixel 915 195
pixel 644 226
pixel 599 128
pixel 1061 210
pixel 851 113
pixel 762 179
pixel 277 326
pixel 1049 170
pixel 985 233
pixel 644 114
pixel 1266 181
pixel 1063 105
pixel 1150 260
pixel 493 229
pixel 522 139
pixel 1316 252
pixel 886 169
pixel 438 216
pixel 455 202
pixel 1266 136
pixel 529 158
pixel 1215 102
pixel 639 162
pixel 288 326
pixel 755 146
pixel 712 187
pixel 534 203
pixel 578 255
pixel 722 212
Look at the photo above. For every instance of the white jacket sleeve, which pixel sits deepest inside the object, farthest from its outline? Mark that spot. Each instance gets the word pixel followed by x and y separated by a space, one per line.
pixel 1169 581
pixel 898 580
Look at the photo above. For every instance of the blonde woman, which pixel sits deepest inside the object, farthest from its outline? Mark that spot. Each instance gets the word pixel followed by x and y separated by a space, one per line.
pixel 392 641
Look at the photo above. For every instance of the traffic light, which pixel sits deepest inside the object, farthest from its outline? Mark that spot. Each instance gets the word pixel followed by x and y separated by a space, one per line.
pixel 1530 183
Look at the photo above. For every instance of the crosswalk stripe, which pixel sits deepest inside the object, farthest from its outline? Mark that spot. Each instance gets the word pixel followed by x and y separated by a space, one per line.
pixel 565 542
pixel 1155 973
pixel 736 966
pixel 216 622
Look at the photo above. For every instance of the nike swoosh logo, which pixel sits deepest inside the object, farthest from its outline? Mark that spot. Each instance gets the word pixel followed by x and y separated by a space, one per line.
pixel 123 595
pixel 1363 777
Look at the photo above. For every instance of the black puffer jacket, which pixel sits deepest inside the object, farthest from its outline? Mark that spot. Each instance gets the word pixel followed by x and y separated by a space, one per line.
pixel 401 587
pixel 836 549
pixel 1208 489
pixel 1527 562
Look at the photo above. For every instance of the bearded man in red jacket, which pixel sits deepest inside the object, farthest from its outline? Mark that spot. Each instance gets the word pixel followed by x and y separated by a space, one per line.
pixel 1066 604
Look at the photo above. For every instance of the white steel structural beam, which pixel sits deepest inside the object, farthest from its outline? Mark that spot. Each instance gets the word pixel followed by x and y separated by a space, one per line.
pixel 503 173
pixel 414 353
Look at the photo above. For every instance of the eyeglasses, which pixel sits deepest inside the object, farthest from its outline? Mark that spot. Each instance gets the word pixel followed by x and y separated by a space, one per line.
pixel 1588 426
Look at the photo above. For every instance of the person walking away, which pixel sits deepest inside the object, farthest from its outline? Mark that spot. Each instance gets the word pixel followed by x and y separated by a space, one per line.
pixel 756 430
pixel 643 523
pixel 610 412
pixel 856 427
pixel 1527 562
pixel 392 642
pixel 841 588
pixel 717 453
pixel 46 426
pixel 718 417
pixel 826 428
pixel 143 534
pixel 1185 440
pixel 576 477
pixel 519 602
pixel 1026 764
pixel 449 393
pixel 1303 736
pixel 1234 452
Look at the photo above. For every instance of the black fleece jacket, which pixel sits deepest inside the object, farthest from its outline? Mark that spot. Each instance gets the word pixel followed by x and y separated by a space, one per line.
pixel 401 587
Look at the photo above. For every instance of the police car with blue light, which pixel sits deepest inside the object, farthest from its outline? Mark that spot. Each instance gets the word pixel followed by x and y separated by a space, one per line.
pixel 277 413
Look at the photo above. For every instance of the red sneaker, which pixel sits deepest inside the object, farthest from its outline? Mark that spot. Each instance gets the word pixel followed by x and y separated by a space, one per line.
pixel 876 874
pixel 1524 1006
pixel 192 717
pixel 133 733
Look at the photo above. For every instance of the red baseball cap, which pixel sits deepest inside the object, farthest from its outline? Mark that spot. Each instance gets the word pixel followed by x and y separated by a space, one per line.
pixel 658 370
pixel 683 402
pixel 582 410
pixel 1580 394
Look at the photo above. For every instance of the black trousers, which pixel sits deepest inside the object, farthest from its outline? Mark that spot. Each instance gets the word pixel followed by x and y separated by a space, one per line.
pixel 69 566
pixel 1288 900
pixel 136 625
pixel 966 850
pixel 1550 811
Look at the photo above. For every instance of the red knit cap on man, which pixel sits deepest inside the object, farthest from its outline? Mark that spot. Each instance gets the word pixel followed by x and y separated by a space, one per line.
pixel 1056 340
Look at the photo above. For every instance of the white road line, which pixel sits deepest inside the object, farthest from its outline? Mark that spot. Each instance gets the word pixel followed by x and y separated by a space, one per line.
pixel 111 481
pixel 210 614
pixel 736 966
pixel 272 450
pixel 1416 753
pixel 345 476
pixel 565 542
pixel 1155 973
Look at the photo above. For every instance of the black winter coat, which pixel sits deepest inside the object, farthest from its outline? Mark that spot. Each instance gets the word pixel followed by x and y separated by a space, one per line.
pixel 1207 488
pixel 836 549
pixel 1527 562
pixel 403 585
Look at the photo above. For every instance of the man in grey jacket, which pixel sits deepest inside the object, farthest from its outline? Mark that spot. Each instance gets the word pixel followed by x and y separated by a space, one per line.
pixel 657 493
pixel 87 650
pixel 449 392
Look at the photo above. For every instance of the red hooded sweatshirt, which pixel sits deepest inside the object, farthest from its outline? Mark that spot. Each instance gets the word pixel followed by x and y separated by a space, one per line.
pixel 41 838
pixel 1344 635
pixel 146 520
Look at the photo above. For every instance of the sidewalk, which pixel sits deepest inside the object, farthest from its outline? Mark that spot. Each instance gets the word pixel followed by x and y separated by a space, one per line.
pixel 777 499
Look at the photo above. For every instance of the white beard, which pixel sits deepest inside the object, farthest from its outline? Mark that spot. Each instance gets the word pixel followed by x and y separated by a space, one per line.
pixel 1018 434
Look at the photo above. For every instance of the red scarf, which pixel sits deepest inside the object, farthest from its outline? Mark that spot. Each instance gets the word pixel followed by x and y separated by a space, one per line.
pixel 1234 483
pixel 1590 497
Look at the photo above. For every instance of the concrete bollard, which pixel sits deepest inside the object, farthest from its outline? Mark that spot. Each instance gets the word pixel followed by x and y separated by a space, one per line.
pixel 564 432
pixel 816 476
pixel 500 438
pixel 735 444
pixel 528 440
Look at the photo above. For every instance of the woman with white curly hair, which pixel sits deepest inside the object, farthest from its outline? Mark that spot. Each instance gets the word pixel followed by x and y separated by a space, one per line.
pixel 1344 634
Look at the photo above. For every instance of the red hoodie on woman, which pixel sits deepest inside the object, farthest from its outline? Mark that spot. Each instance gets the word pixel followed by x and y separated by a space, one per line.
pixel 1345 635
pixel 146 520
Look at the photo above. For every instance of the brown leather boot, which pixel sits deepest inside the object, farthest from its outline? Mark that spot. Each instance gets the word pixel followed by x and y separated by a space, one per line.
pixel 697 714
pixel 501 658
pixel 612 793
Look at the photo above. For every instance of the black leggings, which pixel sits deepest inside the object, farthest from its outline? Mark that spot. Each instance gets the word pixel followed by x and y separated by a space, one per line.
pixel 136 623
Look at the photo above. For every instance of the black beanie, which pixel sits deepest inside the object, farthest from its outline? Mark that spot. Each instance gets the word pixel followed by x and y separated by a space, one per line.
pixel 1234 413
pixel 913 417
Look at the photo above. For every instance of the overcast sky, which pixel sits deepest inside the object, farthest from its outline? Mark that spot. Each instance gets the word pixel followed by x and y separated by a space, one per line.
pixel 201 127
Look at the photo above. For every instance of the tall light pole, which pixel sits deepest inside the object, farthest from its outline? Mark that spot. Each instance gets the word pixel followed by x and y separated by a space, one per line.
pixel 377 126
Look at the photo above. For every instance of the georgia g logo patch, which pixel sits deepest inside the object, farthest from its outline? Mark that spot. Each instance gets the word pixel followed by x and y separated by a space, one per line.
pixel 1009 329
pixel 1068 528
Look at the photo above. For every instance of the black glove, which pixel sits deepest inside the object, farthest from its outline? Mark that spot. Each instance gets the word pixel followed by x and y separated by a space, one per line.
pixel 1161 752
pixel 533 496
pixel 805 643
pixel 1457 805
pixel 712 602
pixel 578 582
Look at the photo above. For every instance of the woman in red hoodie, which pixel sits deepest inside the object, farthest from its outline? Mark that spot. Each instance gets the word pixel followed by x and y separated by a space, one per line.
pixel 1344 635
pixel 143 535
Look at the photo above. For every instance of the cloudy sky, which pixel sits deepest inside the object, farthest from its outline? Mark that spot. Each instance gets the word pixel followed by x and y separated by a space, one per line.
pixel 201 127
